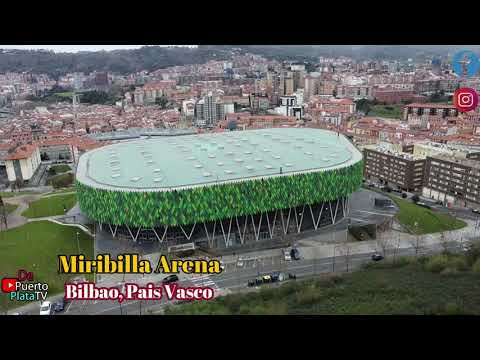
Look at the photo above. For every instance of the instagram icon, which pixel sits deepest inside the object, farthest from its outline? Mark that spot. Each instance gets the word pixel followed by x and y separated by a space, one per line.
pixel 465 99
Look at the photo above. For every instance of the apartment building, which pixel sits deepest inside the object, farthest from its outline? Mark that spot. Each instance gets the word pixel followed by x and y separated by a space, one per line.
pixel 22 163
pixel 400 169
pixel 418 109
pixel 453 180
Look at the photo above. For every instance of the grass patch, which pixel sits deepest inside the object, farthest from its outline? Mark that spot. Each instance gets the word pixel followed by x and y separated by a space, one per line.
pixel 67 94
pixel 61 181
pixel 50 206
pixel 386 289
pixel 59 169
pixel 34 247
pixel 428 220
pixel 388 111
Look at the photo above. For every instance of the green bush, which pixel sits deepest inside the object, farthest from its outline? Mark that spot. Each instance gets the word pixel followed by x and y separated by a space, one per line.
pixel 473 253
pixel 309 296
pixel 476 266
pixel 62 181
pixel 458 263
pixel 437 263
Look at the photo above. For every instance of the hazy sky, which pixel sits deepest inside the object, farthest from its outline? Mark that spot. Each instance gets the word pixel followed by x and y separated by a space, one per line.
pixel 75 48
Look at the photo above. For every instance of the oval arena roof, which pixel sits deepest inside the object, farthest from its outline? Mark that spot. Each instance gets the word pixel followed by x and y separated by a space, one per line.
pixel 163 164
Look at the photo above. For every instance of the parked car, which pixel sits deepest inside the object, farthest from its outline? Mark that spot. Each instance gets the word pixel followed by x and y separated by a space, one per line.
pixel 295 254
pixel 476 211
pixel 267 278
pixel 404 195
pixel 251 283
pixel 371 185
pixel 170 279
pixel 59 306
pixel 422 204
pixel 377 257
pixel 292 276
pixel 259 280
pixel 287 256
pixel 46 308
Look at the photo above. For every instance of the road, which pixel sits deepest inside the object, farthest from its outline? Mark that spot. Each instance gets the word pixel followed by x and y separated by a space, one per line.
pixel 235 279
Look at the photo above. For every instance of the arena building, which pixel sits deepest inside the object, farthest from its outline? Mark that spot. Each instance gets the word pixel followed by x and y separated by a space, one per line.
pixel 220 190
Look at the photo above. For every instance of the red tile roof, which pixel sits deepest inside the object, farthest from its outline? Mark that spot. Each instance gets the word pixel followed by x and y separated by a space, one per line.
pixel 22 152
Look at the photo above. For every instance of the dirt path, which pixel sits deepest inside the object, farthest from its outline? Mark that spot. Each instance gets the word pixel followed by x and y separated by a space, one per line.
pixel 15 219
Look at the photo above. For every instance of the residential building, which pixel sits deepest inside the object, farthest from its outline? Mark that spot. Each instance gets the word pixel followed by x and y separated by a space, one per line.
pixel 453 180
pixel 402 169
pixel 22 163
pixel 419 109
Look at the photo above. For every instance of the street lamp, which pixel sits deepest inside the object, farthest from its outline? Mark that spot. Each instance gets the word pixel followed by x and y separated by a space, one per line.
pixel 78 242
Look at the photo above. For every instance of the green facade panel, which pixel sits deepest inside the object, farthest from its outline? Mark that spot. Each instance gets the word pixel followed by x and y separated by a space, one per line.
pixel 209 203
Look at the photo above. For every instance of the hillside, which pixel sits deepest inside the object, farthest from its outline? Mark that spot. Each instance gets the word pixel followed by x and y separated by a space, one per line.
pixel 117 61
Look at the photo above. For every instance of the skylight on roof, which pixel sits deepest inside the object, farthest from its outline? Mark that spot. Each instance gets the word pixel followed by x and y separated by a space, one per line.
pixel 239 160
pixel 276 156
pixel 211 156
pixel 135 179
pixel 268 166
pixel 207 174
pixel 191 158
pixel 158 179
pixel 266 150
pixel 247 152
pixel 248 167
pixel 115 175
pixel 258 159
pixel 308 153
pixel 288 165
pixel 156 170
pixel 230 153
pixel 220 164
pixel 199 166
pixel 228 172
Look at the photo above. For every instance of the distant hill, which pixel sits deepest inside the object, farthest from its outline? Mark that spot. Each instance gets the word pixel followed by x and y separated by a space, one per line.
pixel 155 57
pixel 362 52
pixel 117 61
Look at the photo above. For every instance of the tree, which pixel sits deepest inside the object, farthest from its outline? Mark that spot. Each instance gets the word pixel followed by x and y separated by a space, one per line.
pixel 161 101
pixel 444 241
pixel 345 250
pixel 383 244
pixel 363 105
pixel 232 125
pixel 416 243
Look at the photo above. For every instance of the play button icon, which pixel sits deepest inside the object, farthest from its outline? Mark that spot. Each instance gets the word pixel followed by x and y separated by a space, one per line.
pixel 9 285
